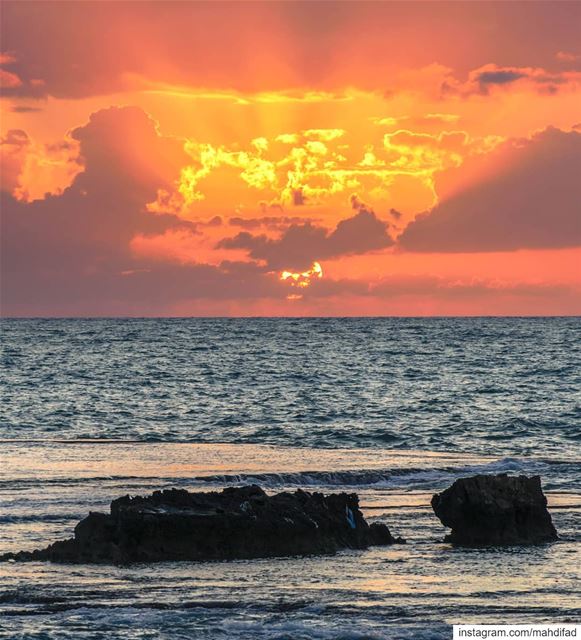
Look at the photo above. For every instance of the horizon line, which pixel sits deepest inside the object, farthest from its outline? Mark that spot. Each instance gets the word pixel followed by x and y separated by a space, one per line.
pixel 305 317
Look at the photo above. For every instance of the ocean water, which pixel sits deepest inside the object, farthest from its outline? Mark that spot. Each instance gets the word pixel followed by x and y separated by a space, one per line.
pixel 394 409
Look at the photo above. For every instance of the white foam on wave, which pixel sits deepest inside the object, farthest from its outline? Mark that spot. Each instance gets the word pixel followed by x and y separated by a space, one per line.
pixel 378 478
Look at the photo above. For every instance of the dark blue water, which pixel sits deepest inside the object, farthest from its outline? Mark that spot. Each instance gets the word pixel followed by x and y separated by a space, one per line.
pixel 508 385
pixel 394 409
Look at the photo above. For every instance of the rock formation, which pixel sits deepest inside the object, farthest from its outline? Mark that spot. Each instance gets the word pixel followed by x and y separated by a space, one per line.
pixel 495 510
pixel 236 523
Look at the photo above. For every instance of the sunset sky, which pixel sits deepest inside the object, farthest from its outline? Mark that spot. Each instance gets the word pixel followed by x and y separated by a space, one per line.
pixel 290 158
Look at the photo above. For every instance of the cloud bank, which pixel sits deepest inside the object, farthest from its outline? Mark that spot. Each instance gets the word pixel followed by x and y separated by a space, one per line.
pixel 301 244
pixel 529 197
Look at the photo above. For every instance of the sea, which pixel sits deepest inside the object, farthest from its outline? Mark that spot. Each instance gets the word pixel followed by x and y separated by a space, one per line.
pixel 394 409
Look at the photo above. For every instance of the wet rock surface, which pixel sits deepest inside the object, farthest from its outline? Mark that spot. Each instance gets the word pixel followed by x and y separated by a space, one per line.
pixel 495 510
pixel 236 523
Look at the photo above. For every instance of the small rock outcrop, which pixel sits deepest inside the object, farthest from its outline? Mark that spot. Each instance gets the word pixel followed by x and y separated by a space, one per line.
pixel 495 510
pixel 236 523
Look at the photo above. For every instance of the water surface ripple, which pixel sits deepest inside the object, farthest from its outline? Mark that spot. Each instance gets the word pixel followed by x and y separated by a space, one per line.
pixel 510 385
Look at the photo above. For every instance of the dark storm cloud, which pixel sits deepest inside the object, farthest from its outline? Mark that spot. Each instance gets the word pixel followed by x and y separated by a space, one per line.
pixel 499 77
pixel 269 222
pixel 146 289
pixel 87 229
pixel 484 80
pixel 301 244
pixel 25 109
pixel 532 200
pixel 16 137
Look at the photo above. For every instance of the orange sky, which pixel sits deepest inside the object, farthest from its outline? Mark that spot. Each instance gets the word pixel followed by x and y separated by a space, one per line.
pixel 178 158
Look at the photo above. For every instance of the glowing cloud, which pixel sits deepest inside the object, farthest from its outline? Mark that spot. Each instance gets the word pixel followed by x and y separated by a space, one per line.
pixel 159 172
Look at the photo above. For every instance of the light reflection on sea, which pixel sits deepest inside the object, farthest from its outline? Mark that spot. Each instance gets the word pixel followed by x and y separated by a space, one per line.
pixel 394 409
pixel 412 591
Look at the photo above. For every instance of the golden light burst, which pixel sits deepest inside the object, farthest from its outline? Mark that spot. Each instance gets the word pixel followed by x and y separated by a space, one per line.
pixel 301 279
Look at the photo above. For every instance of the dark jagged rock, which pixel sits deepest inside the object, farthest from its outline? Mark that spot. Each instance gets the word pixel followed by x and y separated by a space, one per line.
pixel 379 535
pixel 495 510
pixel 236 523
